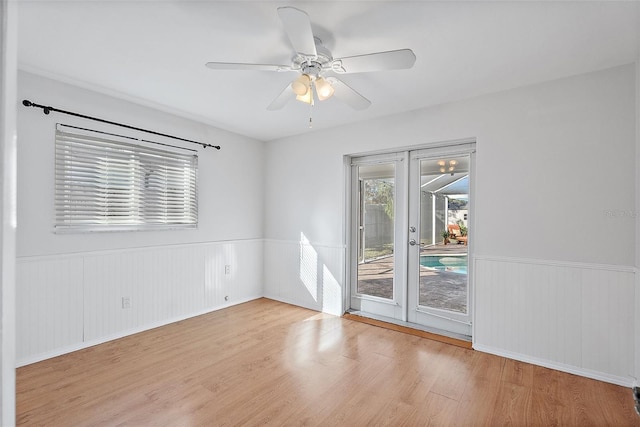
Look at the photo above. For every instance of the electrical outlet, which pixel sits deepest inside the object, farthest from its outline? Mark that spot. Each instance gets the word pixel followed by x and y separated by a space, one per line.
pixel 227 269
pixel 126 302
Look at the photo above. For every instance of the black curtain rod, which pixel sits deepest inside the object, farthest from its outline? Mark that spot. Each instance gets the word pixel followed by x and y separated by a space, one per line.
pixel 127 137
pixel 47 110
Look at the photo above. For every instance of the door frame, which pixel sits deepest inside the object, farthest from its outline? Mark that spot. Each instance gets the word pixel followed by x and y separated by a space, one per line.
pixel 350 244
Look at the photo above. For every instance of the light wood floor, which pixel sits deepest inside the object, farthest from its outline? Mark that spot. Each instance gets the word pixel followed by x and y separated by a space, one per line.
pixel 264 362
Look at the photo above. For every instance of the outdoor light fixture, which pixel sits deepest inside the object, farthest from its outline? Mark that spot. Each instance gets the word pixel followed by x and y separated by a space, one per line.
pixel 447 166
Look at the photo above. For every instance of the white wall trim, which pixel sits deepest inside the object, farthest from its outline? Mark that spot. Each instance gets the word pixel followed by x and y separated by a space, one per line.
pixel 447 145
pixel 8 170
pixel 570 316
pixel 296 303
pixel 68 349
pixel 613 379
pixel 556 263
pixel 315 244
pixel 131 249
pixel 637 216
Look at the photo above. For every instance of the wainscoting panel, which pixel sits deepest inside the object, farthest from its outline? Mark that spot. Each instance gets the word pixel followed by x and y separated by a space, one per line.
pixel 160 283
pixel 305 274
pixel 49 307
pixel 68 302
pixel 569 316
pixel 244 278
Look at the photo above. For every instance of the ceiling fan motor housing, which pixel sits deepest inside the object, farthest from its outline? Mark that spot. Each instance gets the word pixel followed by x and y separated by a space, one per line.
pixel 313 66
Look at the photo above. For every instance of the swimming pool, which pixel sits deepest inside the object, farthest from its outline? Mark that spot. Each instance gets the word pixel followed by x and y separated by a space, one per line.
pixel 455 263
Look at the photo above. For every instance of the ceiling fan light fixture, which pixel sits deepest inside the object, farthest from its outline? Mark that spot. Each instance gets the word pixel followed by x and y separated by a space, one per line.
pixel 311 59
pixel 324 89
pixel 301 85
pixel 307 97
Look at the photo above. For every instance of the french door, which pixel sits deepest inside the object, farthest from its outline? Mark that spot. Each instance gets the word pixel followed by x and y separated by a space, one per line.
pixel 410 237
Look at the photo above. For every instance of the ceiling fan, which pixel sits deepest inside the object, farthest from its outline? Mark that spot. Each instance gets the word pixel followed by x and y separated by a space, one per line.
pixel 317 67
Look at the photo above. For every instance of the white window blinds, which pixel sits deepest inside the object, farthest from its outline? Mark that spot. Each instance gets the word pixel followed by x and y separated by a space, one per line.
pixel 105 184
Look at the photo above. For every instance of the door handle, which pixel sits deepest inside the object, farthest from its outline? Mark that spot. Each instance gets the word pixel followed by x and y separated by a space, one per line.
pixel 412 242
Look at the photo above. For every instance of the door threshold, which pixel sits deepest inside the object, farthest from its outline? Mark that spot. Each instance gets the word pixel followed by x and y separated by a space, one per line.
pixel 459 340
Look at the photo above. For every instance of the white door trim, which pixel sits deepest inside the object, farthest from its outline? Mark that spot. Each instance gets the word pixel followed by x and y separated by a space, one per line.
pixel 462 146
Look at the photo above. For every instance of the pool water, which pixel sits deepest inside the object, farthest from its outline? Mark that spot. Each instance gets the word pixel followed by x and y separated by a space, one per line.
pixel 455 264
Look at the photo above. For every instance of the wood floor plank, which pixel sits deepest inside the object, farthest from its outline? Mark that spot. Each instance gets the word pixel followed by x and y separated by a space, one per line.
pixel 477 404
pixel 511 405
pixel 454 375
pixel 516 372
pixel 269 363
pixel 435 410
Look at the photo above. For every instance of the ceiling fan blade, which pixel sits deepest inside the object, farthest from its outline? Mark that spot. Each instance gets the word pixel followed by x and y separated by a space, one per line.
pixel 297 25
pixel 243 66
pixel 347 95
pixel 281 100
pixel 380 61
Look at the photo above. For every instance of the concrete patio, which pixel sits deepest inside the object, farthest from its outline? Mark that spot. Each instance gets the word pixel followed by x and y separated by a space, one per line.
pixel 445 290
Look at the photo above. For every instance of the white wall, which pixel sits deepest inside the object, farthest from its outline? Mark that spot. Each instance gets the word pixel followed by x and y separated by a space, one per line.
pixel 554 149
pixel 8 71
pixel 562 152
pixel 70 286
pixel 229 181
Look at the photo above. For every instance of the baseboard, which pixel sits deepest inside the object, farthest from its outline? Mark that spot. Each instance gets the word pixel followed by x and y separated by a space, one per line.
pixel 296 303
pixel 86 344
pixel 575 370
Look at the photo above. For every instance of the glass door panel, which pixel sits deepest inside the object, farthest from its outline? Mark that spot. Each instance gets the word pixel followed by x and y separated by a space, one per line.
pixel 378 274
pixel 443 260
pixel 438 266
pixel 376 195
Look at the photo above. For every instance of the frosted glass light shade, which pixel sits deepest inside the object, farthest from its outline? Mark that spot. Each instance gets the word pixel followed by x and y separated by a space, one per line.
pixel 308 97
pixel 324 89
pixel 301 85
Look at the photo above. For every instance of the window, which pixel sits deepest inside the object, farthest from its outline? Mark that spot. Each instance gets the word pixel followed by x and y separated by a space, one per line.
pixel 105 184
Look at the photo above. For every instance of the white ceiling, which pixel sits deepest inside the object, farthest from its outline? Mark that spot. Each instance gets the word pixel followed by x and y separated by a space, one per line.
pixel 154 52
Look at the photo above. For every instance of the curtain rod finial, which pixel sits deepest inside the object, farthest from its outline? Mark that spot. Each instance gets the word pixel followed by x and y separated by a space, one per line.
pixel 27 103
